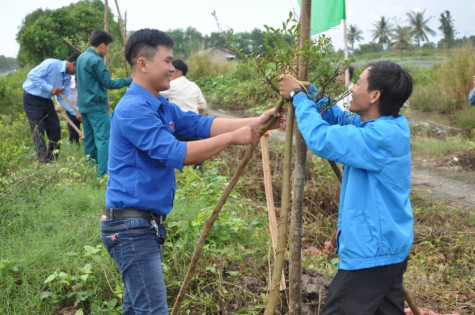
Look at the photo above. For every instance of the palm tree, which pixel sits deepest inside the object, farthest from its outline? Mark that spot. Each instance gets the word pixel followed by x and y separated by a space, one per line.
pixel 447 27
pixel 354 34
pixel 419 26
pixel 402 38
pixel 383 32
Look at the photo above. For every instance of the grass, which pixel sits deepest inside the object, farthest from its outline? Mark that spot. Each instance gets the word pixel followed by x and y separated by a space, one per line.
pixel 439 148
pixel 52 258
pixel 440 273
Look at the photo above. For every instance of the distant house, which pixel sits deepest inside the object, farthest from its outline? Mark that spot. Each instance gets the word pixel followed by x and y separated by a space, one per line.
pixel 220 53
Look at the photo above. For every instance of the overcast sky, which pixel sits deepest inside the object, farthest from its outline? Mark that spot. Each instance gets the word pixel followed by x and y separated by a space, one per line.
pixel 243 15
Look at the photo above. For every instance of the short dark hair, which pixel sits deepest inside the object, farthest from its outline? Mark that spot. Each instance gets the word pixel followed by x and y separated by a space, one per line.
pixel 351 70
pixel 180 65
pixel 100 37
pixel 393 82
pixel 74 56
pixel 144 43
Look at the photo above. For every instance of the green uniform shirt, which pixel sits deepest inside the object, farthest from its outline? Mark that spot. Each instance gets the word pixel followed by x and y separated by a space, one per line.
pixel 92 81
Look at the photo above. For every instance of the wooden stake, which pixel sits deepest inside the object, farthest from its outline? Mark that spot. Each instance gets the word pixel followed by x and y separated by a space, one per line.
pixel 214 215
pixel 270 198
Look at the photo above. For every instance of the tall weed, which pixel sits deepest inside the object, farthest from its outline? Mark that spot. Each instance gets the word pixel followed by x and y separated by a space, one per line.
pixel 202 64
pixel 444 88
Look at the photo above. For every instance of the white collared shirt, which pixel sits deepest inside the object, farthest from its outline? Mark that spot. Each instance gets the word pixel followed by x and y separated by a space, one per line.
pixel 186 94
pixel 344 104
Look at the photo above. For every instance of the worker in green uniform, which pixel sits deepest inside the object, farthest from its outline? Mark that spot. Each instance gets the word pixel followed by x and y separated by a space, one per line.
pixel 92 80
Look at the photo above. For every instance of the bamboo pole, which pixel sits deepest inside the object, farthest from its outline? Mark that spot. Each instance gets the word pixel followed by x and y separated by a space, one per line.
pixel 214 215
pixel 106 28
pixel 124 36
pixel 270 198
pixel 273 296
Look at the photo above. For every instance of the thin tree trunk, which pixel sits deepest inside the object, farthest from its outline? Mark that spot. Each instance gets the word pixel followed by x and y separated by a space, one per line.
pixel 124 36
pixel 295 265
pixel 106 28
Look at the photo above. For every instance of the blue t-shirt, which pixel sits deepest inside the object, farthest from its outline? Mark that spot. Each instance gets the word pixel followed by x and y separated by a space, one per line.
pixel 144 150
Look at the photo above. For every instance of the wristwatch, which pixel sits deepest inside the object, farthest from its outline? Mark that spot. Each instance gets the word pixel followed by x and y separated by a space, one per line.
pixel 294 92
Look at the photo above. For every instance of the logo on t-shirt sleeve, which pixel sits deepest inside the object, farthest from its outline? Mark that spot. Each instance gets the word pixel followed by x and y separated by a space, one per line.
pixel 171 124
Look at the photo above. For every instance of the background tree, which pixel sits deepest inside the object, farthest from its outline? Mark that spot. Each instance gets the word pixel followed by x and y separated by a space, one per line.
pixel 382 33
pixel 7 63
pixel 402 38
pixel 419 26
pixel 354 34
pixel 447 28
pixel 178 36
pixel 43 33
pixel 216 39
pixel 193 41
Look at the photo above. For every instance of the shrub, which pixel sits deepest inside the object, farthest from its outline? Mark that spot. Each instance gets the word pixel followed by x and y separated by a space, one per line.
pixel 236 91
pixel 444 88
pixel 11 97
pixel 202 64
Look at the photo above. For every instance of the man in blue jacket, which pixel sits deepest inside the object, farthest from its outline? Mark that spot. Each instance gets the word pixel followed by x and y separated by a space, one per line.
pixel 144 153
pixel 375 220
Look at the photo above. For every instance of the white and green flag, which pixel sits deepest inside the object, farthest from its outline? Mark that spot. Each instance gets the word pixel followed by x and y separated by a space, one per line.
pixel 326 14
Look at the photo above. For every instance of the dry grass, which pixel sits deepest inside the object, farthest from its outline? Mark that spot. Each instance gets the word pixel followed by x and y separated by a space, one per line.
pixel 440 274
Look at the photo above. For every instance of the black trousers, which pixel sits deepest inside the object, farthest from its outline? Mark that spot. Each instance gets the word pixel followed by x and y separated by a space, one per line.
pixel 377 290
pixel 73 135
pixel 42 117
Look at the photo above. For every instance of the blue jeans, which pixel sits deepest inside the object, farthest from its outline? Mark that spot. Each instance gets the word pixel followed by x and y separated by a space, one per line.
pixel 133 244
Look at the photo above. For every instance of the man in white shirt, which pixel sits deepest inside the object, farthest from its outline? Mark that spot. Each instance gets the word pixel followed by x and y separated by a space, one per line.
pixel 344 104
pixel 186 94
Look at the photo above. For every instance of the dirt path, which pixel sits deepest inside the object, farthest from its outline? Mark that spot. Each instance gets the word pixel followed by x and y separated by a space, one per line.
pixel 442 183
pixel 450 183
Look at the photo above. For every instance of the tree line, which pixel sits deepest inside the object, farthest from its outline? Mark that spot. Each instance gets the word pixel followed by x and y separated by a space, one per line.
pixel 415 34
pixel 57 33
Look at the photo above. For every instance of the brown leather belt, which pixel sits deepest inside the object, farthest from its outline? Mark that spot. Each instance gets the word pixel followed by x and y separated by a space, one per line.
pixel 115 213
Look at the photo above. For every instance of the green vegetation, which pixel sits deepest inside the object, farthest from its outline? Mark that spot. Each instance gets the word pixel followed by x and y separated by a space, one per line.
pixel 58 33
pixel 51 256
pixel 7 64
pixel 444 88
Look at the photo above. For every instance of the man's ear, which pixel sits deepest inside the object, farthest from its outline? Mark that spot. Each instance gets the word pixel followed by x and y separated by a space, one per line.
pixel 374 96
pixel 140 64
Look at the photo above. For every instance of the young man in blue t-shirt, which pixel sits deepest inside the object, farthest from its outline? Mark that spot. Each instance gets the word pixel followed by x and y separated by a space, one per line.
pixel 375 221
pixel 143 155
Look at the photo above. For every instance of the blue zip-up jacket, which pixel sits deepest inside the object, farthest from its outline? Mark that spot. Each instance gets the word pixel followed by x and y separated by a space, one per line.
pixel 471 97
pixel 375 220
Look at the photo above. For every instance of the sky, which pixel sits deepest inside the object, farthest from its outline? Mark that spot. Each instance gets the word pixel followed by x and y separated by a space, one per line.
pixel 245 15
